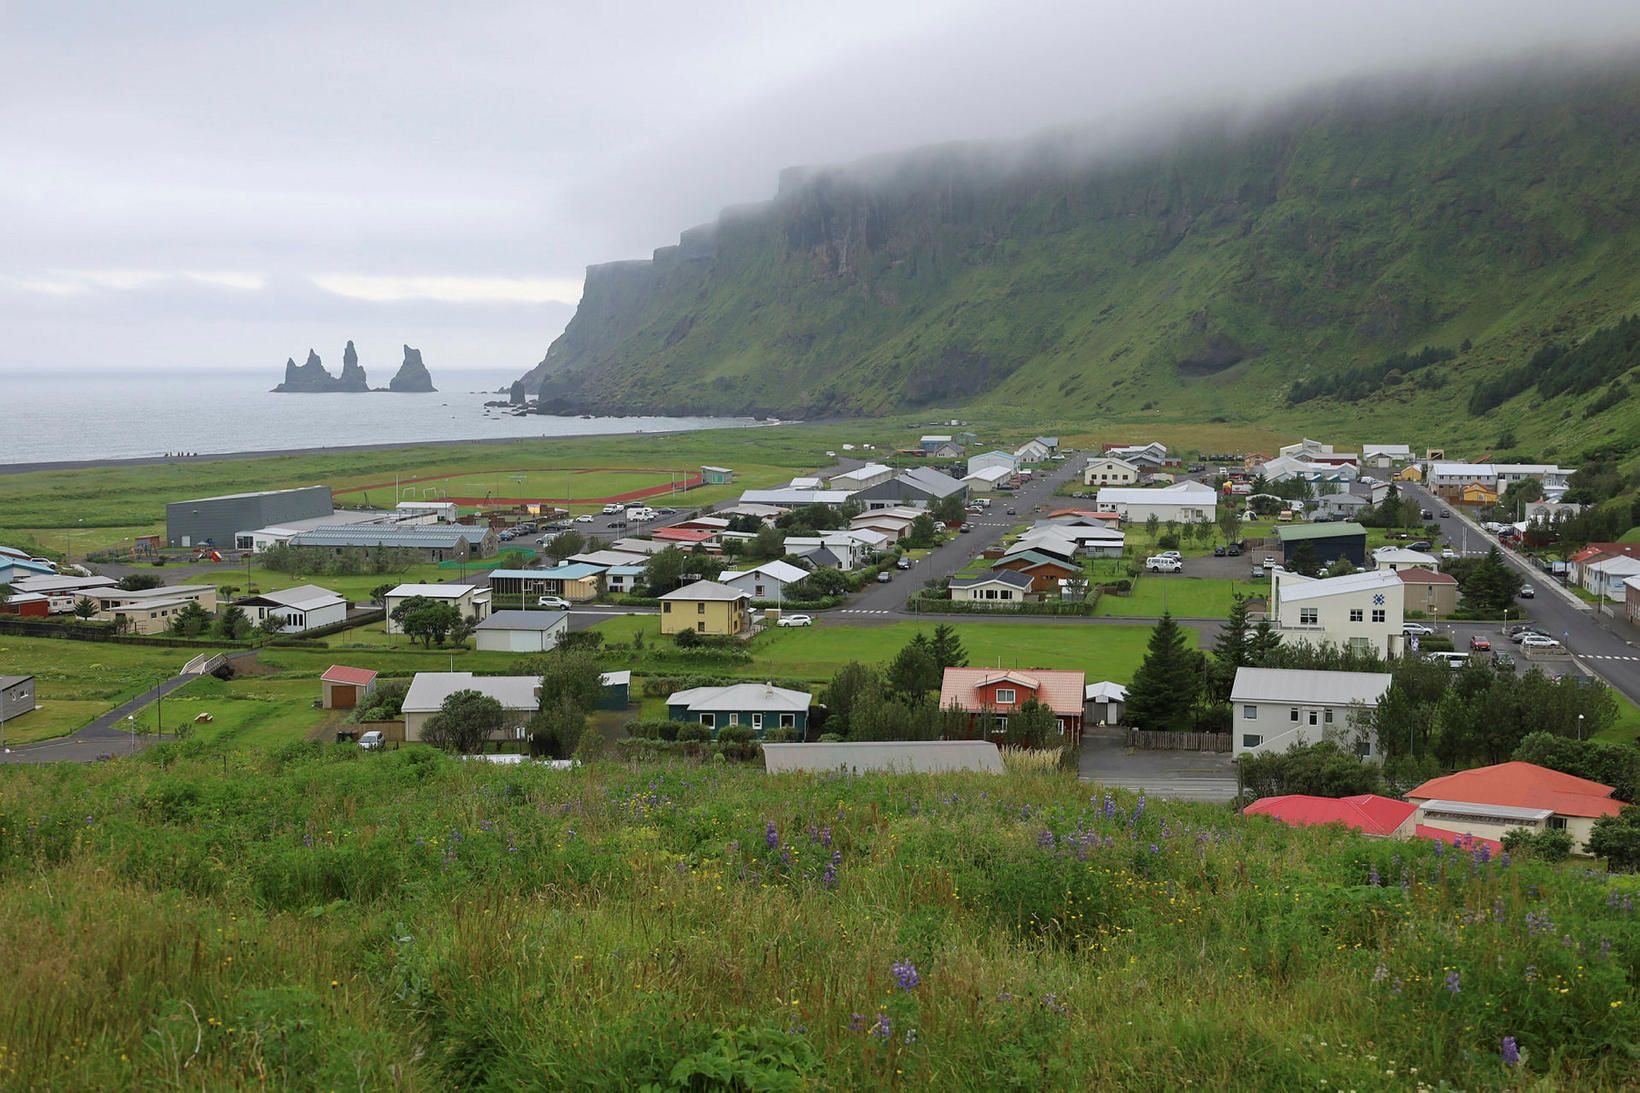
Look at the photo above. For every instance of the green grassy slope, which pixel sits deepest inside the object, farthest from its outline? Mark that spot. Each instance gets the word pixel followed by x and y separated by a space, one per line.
pixel 1195 282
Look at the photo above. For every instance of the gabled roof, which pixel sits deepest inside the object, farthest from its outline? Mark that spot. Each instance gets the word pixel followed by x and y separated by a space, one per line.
pixel 428 690
pixel 751 697
pixel 779 570
pixel 568 571
pixel 303 597
pixel 684 535
pixel 1295 586
pixel 525 620
pixel 433 591
pixel 1032 558
pixel 1395 555
pixel 1180 493
pixel 1060 690
pixel 1419 575
pixel 354 677
pixel 706 590
pixel 1105 691
pixel 1303 686
pixel 1293 533
pixel 1523 785
pixel 1367 812
pixel 1010 577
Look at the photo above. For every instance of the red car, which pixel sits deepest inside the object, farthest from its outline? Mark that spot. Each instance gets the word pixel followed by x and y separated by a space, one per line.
pixel 1480 644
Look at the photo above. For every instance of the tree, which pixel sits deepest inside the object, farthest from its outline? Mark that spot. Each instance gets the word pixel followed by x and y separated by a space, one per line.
pixel 1263 645
pixel 823 582
pixel 463 722
pixel 84 607
pixel 922 532
pixel 949 509
pixel 913 672
pixel 191 620
pixel 565 544
pixel 137 582
pixel 557 728
pixel 1165 688
pixel 1490 586
pixel 271 626
pixel 233 623
pixel 663 572
pixel 568 677
pixel 1031 725
pixel 1305 560
pixel 1319 769
pixel 1233 650
pixel 947 648
pixel 1340 567
pixel 1153 524
pixel 427 620
pixel 1617 839
pixel 853 683
pixel 463 628
pixel 379 593
pixel 1229 520
pixel 767 544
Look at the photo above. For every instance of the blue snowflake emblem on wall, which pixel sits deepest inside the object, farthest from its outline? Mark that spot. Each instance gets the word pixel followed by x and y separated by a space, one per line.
pixel 1378 600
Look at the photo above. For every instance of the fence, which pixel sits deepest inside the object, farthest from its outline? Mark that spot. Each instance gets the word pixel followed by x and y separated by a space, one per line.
pixel 1150 740
pixel 928 605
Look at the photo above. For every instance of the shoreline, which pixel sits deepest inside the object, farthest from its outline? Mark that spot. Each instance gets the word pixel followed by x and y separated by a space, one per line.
pixel 223 457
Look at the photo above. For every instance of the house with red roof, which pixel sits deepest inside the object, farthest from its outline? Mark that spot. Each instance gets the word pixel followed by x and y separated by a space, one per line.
pixel 1598 552
pixel 684 536
pixel 1433 593
pixel 1367 813
pixel 1489 801
pixel 341 687
pixel 1002 691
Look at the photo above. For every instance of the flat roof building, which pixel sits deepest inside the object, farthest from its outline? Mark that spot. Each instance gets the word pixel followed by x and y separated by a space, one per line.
pixel 215 521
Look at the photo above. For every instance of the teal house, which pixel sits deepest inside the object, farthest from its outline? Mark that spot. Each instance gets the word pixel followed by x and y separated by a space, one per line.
pixel 759 706
pixel 617 694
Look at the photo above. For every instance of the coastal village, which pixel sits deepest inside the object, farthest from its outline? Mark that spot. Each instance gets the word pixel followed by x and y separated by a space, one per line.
pixel 1201 624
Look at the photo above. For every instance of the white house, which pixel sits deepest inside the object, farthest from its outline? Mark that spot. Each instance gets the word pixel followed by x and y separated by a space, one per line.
pixel 793 497
pixel 993 459
pixel 1496 476
pixel 1186 502
pixel 522 631
pixel 1306 447
pixel 998 586
pixel 470 600
pixel 1086 542
pixel 767 582
pixel 1385 455
pixel 1150 455
pixel 860 477
pixel 1274 708
pixel 519 697
pixel 1360 610
pixel 1107 470
pixel 1103 702
pixel 1032 451
pixel 1398 558
pixel 849 551
pixel 1605 578
pixel 988 479
pixel 304 607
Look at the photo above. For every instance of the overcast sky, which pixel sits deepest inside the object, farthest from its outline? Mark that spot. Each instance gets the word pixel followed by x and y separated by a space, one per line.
pixel 222 185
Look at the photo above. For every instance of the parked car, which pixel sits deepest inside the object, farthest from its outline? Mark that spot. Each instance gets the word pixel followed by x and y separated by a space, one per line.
pixel 1451 660
pixel 373 740
pixel 903 563
pixel 1539 641
pixel 612 509
pixel 1218 552
pixel 966 527
pixel 1446 514
pixel 1527 592
pixel 1520 637
pixel 1419 544
pixel 584 518
pixel 1269 561
pixel 884 577
pixel 1410 628
pixel 1502 661
pixel 795 620
pixel 1011 512
pixel 1448 554
pixel 1234 550
pixel 1480 644
pixel 1425 514
pixel 558 603
pixel 1163 564
pixel 1171 554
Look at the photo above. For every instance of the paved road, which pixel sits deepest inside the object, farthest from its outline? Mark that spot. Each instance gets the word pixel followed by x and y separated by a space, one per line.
pixel 1182 775
pixel 101 737
pixel 1599 644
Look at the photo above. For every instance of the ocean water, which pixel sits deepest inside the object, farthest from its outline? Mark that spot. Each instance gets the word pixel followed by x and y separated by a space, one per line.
pixel 56 416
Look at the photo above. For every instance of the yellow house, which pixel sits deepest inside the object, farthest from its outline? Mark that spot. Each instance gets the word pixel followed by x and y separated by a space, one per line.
pixel 705 607
pixel 1474 493
pixel 1410 473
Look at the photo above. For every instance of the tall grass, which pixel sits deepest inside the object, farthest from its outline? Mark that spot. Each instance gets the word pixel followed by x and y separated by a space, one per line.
pixel 323 918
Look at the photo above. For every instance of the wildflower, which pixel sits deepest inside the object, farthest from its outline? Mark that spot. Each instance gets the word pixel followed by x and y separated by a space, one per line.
pixel 1531 972
pixel 882 1029
pixel 1379 974
pixel 910 1035
pixel 1509 1052
pixel 825 837
pixel 1045 840
pixel 1052 1002
pixel 771 837
pixel 857 1022
pixel 486 825
pixel 1373 878
pixel 1452 983
pixel 905 974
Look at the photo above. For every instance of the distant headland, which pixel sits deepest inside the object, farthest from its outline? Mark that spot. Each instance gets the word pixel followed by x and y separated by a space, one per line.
pixel 313 378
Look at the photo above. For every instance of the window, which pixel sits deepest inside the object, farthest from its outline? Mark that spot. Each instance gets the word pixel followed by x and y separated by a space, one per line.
pixel 1005 696
pixel 1250 713
pixel 1002 727
pixel 1309 616
pixel 734 719
pixel 1357 615
pixel 700 627
pixel 1363 748
pixel 1556 823
pixel 709 720
pixel 1378 614
pixel 666 607
pixel 1250 740
pixel 788 721
pixel 757 721
pixel 700 608
pixel 1292 715
pixel 1328 717
pixel 759 591
pixel 1315 717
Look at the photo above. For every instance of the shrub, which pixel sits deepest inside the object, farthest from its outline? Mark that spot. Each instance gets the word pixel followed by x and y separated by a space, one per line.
pixel 693 733
pixel 778 736
pixel 736 734
pixel 1546 845
pixel 830 738
pixel 1030 760
pixel 654 729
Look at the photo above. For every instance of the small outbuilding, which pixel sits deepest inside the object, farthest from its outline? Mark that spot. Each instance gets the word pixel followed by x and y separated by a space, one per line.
pixel 521 631
pixel 717 476
pixel 341 687
pixel 1103 702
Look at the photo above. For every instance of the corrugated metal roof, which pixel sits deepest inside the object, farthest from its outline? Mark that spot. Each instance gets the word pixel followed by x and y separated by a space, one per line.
pixel 1524 785
pixel 706 590
pixel 419 536
pixel 525 620
pixel 428 690
pixel 740 696
pixel 1305 687
pixel 1293 533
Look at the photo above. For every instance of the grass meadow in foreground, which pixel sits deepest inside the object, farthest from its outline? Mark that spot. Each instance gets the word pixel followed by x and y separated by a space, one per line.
pixel 326 918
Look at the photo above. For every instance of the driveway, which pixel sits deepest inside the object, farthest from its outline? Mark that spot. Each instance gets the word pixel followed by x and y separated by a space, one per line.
pixel 1180 775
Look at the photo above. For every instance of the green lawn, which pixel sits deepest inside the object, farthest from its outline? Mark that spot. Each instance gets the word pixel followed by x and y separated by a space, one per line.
pixel 75 681
pixel 815 653
pixel 1186 597
pixel 256 711
pixel 538 484
pixel 1626 730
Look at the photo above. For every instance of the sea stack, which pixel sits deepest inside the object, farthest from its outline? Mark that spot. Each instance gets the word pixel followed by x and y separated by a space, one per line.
pixel 308 378
pixel 412 377
pixel 353 377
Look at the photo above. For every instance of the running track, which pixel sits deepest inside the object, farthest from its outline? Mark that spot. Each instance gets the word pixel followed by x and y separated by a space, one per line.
pixel 689 482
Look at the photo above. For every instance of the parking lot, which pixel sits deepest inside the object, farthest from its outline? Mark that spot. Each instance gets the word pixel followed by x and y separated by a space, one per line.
pixel 1181 775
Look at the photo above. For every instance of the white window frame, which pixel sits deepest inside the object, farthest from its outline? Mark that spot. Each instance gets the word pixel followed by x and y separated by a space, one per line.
pixel 757 721
pixel 709 720
pixel 1006 696
pixel 788 721
pixel 1309 616
pixel 1292 714
pixel 1251 740
pixel 1249 713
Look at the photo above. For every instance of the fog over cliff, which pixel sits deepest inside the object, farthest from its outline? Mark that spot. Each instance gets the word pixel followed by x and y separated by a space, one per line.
pixel 210 186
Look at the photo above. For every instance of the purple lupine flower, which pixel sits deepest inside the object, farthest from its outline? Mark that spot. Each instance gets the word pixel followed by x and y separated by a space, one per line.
pixel 1045 840
pixel 829 877
pixel 307 840
pixel 1509 1052
pixel 1025 812
pixel 1504 859
pixel 857 1022
pixel 882 1029
pixel 1453 983
pixel 1110 806
pixel 905 974
pixel 1379 974
pixel 1154 849
pixel 825 837
pixel 1373 878
pixel 772 836
pixel 486 825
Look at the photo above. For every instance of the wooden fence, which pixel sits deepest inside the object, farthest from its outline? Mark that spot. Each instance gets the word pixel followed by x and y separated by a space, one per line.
pixel 1148 740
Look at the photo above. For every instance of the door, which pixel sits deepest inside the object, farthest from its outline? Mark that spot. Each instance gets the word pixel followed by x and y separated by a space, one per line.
pixel 343 697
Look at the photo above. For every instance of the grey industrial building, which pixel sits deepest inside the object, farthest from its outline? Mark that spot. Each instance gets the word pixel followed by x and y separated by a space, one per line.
pixel 434 543
pixel 215 521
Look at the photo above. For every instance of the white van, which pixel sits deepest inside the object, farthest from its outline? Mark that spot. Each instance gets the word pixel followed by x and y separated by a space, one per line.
pixel 373 740
pixel 1452 660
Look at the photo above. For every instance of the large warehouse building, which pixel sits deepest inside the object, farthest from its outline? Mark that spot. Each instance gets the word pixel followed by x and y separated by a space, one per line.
pixel 214 521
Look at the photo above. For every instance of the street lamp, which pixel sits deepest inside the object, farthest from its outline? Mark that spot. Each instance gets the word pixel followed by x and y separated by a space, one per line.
pixel 132 729
pixel 1580 726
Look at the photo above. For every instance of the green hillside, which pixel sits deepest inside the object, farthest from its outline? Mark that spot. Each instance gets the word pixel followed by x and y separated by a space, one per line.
pixel 1201 281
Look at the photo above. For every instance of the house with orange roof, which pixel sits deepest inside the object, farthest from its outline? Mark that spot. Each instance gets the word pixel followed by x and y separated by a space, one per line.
pixel 1002 691
pixel 1489 801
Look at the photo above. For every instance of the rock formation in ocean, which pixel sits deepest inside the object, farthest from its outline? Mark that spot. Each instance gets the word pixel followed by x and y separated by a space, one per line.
pixel 352 378
pixel 515 395
pixel 310 378
pixel 412 376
